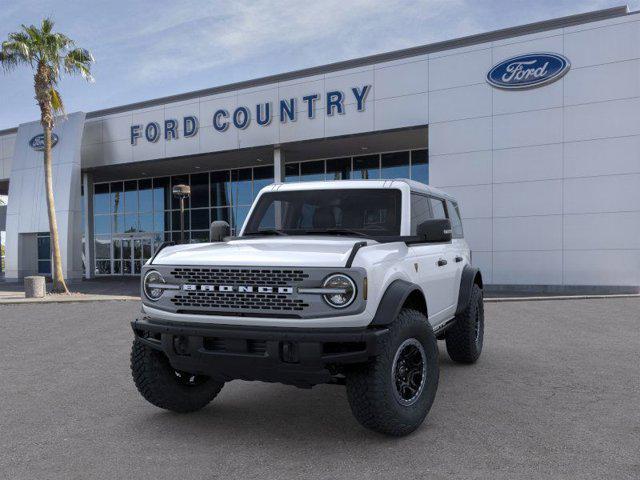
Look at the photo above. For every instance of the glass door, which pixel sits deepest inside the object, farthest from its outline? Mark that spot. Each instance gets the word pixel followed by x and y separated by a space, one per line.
pixel 130 251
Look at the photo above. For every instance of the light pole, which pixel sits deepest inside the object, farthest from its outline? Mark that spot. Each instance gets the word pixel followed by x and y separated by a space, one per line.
pixel 181 192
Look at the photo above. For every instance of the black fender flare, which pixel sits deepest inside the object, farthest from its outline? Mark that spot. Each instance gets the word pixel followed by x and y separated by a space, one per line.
pixel 392 301
pixel 469 275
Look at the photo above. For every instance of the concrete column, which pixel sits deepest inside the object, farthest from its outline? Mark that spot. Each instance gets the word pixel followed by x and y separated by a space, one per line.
pixel 87 206
pixel 278 165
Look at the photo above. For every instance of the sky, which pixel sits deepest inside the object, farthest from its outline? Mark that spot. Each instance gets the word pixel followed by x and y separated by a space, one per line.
pixel 149 49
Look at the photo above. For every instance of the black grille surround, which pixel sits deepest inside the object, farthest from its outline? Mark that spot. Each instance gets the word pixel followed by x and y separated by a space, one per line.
pixel 274 291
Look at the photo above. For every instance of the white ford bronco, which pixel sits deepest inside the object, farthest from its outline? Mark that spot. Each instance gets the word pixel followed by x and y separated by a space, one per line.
pixel 344 282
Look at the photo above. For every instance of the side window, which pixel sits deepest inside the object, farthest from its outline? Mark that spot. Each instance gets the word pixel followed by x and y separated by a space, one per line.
pixel 456 222
pixel 420 211
pixel 437 206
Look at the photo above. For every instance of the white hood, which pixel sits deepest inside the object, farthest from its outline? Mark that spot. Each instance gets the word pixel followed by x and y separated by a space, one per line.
pixel 308 251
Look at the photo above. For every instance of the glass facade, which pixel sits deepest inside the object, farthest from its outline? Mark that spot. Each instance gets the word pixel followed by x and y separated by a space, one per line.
pixel 133 217
pixel 44 253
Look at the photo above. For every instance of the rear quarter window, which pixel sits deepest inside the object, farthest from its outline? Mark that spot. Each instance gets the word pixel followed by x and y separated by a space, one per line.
pixel 456 221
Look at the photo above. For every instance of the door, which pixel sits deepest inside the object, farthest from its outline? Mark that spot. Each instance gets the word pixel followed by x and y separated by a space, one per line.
pixel 129 252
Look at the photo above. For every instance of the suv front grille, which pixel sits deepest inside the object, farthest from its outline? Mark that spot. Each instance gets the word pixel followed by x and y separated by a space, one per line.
pixel 238 301
pixel 235 276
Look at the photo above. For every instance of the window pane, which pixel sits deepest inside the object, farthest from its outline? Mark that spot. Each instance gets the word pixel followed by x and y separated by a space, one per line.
pixel 262 176
pixel 44 247
pixel 126 267
pixel 117 190
pixel 395 165
pixel 437 207
pixel 339 169
pixel 145 223
pixel 117 223
pixel 103 267
pixel 127 246
pixel 292 172
pixel 101 198
pixel 161 194
pixel 366 167
pixel 175 220
pixel 420 166
pixel 242 194
pixel 179 180
pixel 44 266
pixel 131 196
pixel 456 222
pixel 131 223
pixel 420 211
pixel 312 171
pixel 102 247
pixel 117 249
pixel 200 219
pixel 200 190
pixel 145 195
pixel 137 265
pixel 161 221
pixel 117 267
pixel 102 224
pixel 220 188
pixel 239 217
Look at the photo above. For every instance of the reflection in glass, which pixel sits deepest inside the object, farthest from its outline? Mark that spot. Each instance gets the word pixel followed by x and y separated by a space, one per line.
pixel 117 224
pixel 241 187
pixel 312 171
pixel 145 223
pixel 420 166
pixel 131 223
pixel 131 196
pixel 199 237
pixel 221 214
pixel 292 172
pixel 103 267
pixel 175 220
pixel 220 188
pixel 102 246
pixel 101 198
pixel 117 190
pixel 395 165
pixel 339 169
pixel 161 194
pixel 366 167
pixel 145 195
pixel 200 219
pixel 262 176
pixel 200 190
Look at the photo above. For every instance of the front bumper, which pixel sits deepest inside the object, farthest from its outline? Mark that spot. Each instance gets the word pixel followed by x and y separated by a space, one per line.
pixel 301 357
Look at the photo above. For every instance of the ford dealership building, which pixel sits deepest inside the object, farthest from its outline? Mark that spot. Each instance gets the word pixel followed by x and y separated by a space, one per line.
pixel 535 129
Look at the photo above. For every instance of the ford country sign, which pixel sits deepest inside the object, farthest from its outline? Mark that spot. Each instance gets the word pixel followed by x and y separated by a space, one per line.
pixel 528 71
pixel 37 142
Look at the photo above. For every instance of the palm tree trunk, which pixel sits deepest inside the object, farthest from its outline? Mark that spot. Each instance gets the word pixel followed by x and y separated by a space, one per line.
pixel 59 285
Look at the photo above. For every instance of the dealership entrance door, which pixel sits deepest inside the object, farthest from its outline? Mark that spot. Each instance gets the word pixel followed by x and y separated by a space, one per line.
pixel 130 251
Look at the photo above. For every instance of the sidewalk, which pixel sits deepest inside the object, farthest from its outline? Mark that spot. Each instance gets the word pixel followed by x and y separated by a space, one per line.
pixel 95 290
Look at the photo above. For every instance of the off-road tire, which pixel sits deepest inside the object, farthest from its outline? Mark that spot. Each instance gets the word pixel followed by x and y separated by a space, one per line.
pixel 160 384
pixel 370 387
pixel 464 342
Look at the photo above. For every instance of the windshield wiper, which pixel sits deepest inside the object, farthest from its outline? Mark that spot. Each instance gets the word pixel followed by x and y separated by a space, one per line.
pixel 339 231
pixel 267 231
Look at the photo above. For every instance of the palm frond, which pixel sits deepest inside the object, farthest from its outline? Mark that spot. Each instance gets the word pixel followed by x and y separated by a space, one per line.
pixel 56 101
pixel 79 60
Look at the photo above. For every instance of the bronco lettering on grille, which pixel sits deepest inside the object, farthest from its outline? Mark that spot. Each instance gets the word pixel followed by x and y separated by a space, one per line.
pixel 238 289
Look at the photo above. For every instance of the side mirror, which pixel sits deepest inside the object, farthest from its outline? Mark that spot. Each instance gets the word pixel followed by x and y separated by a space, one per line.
pixel 435 230
pixel 219 230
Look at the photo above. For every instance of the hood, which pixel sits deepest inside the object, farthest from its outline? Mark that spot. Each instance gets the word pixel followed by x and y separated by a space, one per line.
pixel 309 251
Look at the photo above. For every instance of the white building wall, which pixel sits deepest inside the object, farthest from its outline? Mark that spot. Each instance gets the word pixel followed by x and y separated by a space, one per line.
pixel 548 178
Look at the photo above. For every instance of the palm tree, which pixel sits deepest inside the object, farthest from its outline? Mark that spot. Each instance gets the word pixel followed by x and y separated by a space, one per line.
pixel 47 53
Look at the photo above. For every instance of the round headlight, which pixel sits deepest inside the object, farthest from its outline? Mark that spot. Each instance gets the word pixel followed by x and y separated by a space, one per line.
pixel 151 283
pixel 343 290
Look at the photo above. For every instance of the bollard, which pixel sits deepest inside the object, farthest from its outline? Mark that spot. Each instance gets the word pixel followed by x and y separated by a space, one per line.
pixel 34 287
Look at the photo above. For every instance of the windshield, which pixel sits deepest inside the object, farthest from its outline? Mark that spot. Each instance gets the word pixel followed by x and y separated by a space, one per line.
pixel 359 212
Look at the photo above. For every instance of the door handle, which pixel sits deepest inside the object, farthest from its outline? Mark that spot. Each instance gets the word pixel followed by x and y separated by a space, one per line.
pixel 458 259
pixel 442 262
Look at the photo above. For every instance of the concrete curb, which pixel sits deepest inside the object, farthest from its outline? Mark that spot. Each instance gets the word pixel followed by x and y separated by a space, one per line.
pixel 71 299
pixel 558 297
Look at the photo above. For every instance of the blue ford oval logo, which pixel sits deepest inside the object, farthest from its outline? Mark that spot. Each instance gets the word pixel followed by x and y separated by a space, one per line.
pixel 528 71
pixel 37 142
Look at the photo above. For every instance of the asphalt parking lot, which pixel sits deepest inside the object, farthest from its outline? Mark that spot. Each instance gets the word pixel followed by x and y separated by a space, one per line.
pixel 555 395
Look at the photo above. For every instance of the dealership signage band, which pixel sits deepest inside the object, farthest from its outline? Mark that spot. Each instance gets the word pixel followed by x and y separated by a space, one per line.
pixel 243 116
pixel 528 71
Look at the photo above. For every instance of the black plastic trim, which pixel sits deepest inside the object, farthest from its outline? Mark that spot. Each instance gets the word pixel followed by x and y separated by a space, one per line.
pixel 467 280
pixel 393 300
pixel 354 251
